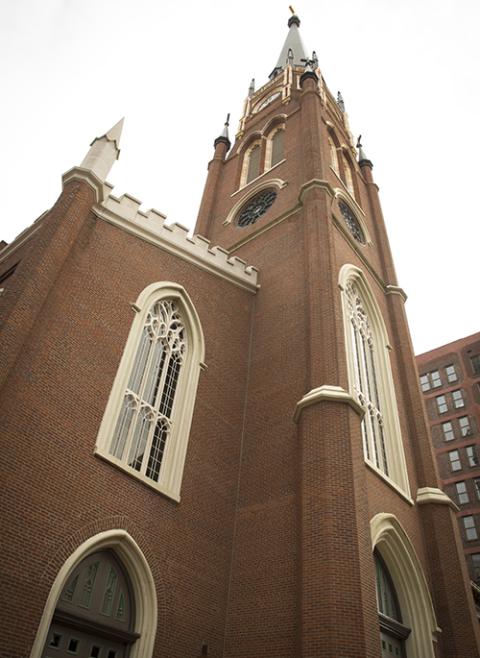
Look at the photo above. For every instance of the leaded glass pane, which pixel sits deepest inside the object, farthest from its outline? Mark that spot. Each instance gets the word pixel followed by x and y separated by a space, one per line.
pixel 253 163
pixel 150 395
pixel 366 384
pixel 277 147
pixel 109 592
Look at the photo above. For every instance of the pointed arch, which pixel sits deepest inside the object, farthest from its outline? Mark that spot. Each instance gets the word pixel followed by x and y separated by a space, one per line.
pixel 146 424
pixel 348 174
pixel 251 161
pixel 333 148
pixel 370 378
pixel 143 589
pixel 274 149
pixel 397 551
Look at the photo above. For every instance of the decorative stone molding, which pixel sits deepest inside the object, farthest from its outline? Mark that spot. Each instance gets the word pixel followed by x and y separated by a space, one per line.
pixel 316 182
pixel 143 585
pixel 87 176
pixel 428 495
pixel 396 290
pixel 327 393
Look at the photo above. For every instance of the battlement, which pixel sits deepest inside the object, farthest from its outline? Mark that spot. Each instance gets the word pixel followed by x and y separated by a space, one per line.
pixel 125 212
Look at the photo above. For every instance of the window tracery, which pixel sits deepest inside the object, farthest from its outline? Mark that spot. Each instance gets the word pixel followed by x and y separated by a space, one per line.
pixel 147 420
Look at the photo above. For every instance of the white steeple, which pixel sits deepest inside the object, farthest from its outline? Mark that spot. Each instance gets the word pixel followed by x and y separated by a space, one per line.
pixel 103 152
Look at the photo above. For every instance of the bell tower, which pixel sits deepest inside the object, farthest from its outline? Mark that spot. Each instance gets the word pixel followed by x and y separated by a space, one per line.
pixel 338 492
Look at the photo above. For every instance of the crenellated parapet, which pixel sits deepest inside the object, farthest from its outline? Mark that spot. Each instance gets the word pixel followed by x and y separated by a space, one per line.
pixel 125 213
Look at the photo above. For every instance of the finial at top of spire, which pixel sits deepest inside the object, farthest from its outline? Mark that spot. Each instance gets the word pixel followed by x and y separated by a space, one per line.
pixel 293 20
pixel 293 50
pixel 340 101
pixel 251 89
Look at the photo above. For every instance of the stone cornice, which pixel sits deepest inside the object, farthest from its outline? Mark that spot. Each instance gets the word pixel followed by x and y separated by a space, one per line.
pixel 327 393
pixel 432 495
pixel 316 182
pixel 396 290
pixel 87 176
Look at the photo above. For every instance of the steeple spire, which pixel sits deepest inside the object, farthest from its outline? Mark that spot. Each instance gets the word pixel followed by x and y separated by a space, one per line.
pixel 224 136
pixel 293 51
pixel 103 152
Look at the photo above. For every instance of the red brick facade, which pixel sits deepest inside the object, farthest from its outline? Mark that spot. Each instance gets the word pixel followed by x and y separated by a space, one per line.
pixel 269 551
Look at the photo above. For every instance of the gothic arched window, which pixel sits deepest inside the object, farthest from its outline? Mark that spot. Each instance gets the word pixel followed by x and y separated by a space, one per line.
pixel 393 632
pixel 147 420
pixel 95 614
pixel 275 148
pixel 370 378
pixel 348 175
pixel 333 155
pixel 251 163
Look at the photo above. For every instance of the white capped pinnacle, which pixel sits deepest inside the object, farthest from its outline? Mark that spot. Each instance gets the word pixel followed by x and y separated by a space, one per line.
pixel 103 152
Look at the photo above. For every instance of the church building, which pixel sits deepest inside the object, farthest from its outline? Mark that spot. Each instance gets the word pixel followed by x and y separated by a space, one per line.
pixel 216 445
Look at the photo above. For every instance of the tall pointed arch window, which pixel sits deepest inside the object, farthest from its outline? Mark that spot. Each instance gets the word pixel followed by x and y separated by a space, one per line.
pixel 146 424
pixel 370 378
pixel 333 155
pixel 348 175
pixel 251 163
pixel 275 148
pixel 393 632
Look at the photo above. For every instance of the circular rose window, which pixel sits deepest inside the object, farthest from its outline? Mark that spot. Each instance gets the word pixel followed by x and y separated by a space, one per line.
pixel 256 207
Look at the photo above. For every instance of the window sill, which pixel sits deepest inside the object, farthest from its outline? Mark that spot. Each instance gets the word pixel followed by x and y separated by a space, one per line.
pixel 393 485
pixel 156 486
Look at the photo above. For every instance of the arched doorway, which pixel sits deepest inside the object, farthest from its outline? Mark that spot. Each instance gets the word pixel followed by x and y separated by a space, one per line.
pixel 393 632
pixel 95 613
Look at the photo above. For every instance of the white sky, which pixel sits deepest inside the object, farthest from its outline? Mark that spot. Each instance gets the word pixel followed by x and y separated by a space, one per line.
pixel 408 70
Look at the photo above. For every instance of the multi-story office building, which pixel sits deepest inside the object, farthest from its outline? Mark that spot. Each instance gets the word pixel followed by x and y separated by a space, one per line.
pixel 450 381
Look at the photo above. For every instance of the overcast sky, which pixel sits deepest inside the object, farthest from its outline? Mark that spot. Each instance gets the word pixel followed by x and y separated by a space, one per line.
pixel 408 70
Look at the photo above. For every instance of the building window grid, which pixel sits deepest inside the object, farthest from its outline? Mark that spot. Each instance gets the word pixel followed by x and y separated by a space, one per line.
pixel 465 427
pixel 470 529
pixel 475 361
pixel 442 406
pixel 448 433
pixel 462 493
pixel 476 484
pixel 475 558
pixel 451 373
pixel 455 463
pixel 458 401
pixel 430 380
pixel 472 456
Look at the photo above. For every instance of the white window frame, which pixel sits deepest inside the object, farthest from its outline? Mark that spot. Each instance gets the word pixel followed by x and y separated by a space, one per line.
pixel 451 373
pixel 458 399
pixel 464 425
pixel 455 460
pixel 462 493
pixel 181 417
pixel 441 405
pixel 246 162
pixel 472 456
pixel 269 147
pixel 397 475
pixel 471 532
pixel 448 433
